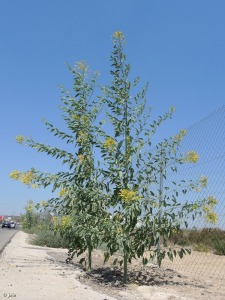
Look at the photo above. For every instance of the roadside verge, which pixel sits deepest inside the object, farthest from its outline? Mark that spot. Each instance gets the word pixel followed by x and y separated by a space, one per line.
pixel 29 273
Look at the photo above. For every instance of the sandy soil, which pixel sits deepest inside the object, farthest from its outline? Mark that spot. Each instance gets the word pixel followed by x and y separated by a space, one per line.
pixel 28 273
pixel 185 279
pixel 32 272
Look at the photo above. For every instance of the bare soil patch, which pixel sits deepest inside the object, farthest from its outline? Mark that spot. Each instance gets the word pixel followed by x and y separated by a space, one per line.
pixel 171 281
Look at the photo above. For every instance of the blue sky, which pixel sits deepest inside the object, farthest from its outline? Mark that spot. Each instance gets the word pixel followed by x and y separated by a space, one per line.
pixel 177 46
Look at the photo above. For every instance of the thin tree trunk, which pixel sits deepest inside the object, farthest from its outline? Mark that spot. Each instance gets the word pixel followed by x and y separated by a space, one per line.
pixel 125 278
pixel 89 257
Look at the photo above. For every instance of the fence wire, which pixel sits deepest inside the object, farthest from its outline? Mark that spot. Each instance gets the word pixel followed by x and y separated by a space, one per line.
pixel 207 138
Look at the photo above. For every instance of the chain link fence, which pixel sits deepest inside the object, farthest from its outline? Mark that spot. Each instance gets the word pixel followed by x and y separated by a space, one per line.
pixel 207 240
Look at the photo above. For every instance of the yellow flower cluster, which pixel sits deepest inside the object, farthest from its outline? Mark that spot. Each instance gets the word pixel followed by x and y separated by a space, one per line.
pixel 203 181
pixel 34 186
pixel 192 156
pixel 110 144
pixel 118 35
pixel 62 192
pixel 30 207
pixel 20 139
pixel 128 196
pixel 15 174
pixel 81 158
pixel 195 206
pixel 65 221
pixel 27 178
pixel 180 135
pixel 56 222
pixel 210 215
pixel 43 203
pixel 212 201
pixel 61 223
pixel 76 117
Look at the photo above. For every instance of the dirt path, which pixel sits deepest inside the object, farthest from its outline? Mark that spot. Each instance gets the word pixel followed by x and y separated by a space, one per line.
pixel 28 273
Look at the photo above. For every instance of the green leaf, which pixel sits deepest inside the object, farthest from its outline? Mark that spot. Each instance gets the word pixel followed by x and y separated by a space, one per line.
pixel 106 256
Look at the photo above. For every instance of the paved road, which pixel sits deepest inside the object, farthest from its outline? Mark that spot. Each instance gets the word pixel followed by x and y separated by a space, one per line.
pixel 6 236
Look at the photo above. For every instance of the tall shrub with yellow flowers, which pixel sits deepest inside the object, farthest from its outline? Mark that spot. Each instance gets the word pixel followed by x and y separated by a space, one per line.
pixel 112 191
pixel 142 214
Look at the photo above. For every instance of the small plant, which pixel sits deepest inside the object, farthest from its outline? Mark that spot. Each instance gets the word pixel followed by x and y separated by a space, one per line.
pixel 219 247
pixel 180 238
pixel 201 248
pixel 30 219
pixel 48 238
